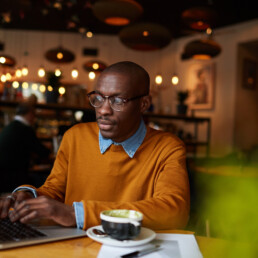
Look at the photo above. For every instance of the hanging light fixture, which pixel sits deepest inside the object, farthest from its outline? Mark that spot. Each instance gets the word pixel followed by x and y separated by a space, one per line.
pixel 199 18
pixel 41 72
pixel 94 66
pixel 117 12
pixel 158 79
pixel 18 73
pixel 201 49
pixel 74 73
pixel 59 55
pixel 145 36
pixel 25 70
pixel 58 72
pixel 174 79
pixel 6 60
pixel 92 75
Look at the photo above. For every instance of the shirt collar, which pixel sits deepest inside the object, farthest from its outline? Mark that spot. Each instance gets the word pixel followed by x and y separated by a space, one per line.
pixel 21 119
pixel 130 145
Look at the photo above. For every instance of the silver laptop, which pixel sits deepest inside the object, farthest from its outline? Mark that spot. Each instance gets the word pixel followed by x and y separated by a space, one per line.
pixel 50 233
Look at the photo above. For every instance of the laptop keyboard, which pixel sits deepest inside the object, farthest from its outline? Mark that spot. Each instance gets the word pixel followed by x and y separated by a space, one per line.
pixel 16 231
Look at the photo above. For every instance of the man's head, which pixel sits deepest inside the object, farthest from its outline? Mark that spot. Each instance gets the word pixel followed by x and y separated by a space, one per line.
pixel 27 111
pixel 129 81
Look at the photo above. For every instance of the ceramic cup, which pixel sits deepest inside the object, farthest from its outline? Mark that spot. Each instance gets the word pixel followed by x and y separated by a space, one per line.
pixel 121 224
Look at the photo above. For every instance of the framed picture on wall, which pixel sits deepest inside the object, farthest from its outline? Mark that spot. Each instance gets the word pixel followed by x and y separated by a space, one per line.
pixel 249 74
pixel 201 83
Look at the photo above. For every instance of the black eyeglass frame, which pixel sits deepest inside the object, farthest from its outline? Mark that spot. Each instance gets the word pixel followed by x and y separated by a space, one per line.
pixel 125 100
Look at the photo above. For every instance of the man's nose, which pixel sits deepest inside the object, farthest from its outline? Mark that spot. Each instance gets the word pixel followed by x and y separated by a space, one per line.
pixel 105 108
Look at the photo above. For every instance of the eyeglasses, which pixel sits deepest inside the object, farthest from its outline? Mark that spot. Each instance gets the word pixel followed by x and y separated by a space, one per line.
pixel 116 103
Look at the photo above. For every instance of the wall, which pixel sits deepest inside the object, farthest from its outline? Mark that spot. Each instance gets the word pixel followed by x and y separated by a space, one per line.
pixel 166 61
pixel 246 122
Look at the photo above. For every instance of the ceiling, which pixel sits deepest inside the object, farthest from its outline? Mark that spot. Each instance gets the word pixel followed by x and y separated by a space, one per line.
pixel 77 15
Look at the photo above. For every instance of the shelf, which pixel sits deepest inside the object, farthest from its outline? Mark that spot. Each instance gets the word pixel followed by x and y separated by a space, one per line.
pixel 167 120
pixel 178 117
pixel 57 107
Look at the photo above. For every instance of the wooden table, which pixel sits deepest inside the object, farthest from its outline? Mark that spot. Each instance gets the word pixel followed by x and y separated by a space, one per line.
pixel 87 248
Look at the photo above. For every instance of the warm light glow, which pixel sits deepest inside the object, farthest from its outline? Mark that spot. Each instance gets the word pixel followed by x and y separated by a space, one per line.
pixel 8 76
pixel 95 66
pixel 2 60
pixel 42 88
pixel 209 31
pixel 158 79
pixel 78 115
pixel 3 78
pixel 89 34
pixel 74 73
pixel 92 75
pixel 175 80
pixel 15 84
pixel 117 21
pixel 202 57
pixel 25 85
pixel 25 71
pixel 59 55
pixel 200 23
pixel 58 72
pixel 18 73
pixel 49 88
pixel 41 72
pixel 61 90
pixel 145 33
pixel 34 86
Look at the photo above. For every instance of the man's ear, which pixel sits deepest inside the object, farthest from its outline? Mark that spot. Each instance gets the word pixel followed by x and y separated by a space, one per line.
pixel 145 103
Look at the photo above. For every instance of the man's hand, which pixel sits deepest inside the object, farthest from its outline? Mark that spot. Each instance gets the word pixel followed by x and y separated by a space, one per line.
pixel 44 207
pixel 12 200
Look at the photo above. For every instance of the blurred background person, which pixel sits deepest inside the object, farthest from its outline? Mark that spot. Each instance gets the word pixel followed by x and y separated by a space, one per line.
pixel 19 146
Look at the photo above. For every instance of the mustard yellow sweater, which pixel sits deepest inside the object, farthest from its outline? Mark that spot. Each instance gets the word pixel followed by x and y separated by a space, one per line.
pixel 154 181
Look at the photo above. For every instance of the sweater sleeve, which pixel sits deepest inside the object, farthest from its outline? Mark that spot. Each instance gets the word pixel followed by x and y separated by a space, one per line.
pixel 168 208
pixel 55 184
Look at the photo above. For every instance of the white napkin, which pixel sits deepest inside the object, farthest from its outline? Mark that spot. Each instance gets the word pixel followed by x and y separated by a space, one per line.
pixel 172 245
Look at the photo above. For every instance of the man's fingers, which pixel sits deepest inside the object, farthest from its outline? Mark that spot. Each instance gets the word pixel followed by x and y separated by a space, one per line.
pixel 5 204
pixel 38 207
pixel 30 216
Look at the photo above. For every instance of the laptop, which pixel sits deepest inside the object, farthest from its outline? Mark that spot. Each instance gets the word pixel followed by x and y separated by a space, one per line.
pixel 45 232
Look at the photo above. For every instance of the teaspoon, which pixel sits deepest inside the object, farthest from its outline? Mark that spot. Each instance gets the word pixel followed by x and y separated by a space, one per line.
pixel 99 233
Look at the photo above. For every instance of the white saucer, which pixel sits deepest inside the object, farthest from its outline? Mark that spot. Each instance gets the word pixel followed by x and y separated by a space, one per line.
pixel 145 236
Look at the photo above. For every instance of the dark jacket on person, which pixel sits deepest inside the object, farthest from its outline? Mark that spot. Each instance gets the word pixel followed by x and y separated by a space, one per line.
pixel 18 142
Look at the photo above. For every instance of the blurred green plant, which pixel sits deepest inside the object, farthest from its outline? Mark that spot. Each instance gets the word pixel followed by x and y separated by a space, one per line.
pixel 229 203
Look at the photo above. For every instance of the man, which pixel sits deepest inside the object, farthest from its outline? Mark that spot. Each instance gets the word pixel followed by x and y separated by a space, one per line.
pixel 116 163
pixel 18 145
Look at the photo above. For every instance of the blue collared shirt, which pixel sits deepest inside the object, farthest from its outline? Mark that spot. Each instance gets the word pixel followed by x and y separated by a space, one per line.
pixel 130 146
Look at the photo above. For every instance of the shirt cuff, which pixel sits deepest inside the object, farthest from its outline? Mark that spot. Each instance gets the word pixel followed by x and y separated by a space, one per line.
pixel 26 188
pixel 79 214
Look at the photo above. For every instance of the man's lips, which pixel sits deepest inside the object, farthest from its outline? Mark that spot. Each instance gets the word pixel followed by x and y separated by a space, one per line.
pixel 105 124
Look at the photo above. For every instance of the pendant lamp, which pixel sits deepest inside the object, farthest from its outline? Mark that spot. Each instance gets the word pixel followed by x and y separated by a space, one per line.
pixel 117 12
pixel 199 18
pixel 59 55
pixel 6 60
pixel 145 36
pixel 202 49
pixel 94 66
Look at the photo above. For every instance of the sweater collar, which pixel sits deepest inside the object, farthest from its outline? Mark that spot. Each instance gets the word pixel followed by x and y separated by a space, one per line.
pixel 130 145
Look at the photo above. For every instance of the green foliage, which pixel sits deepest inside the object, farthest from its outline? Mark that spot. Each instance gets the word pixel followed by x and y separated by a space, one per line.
pixel 52 79
pixel 228 201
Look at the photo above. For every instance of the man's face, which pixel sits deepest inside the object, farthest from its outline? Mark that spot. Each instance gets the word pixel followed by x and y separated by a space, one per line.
pixel 118 125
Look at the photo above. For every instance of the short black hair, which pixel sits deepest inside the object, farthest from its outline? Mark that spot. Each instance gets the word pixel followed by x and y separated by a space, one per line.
pixel 24 108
